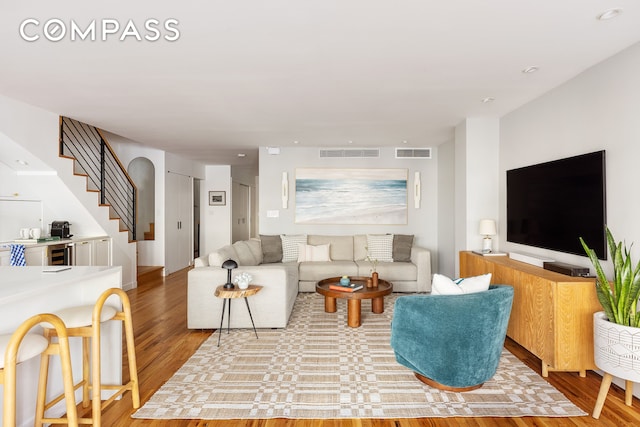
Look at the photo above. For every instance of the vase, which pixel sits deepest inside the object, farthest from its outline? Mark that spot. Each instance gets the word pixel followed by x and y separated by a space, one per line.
pixel 374 279
pixel 616 348
pixel 369 283
pixel 243 284
pixel 345 281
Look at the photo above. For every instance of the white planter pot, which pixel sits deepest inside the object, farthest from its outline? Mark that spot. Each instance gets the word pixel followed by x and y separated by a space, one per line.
pixel 616 348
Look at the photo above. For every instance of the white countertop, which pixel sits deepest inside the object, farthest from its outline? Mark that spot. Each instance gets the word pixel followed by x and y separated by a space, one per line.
pixel 4 246
pixel 18 283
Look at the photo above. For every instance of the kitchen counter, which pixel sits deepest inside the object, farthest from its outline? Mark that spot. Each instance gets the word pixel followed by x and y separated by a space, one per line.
pixel 87 250
pixel 4 246
pixel 26 291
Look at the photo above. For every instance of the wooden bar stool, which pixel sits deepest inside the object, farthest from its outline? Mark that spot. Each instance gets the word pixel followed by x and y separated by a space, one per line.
pixel 21 346
pixel 84 322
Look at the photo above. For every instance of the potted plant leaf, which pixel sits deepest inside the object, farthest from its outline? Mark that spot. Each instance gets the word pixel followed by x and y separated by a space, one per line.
pixel 616 330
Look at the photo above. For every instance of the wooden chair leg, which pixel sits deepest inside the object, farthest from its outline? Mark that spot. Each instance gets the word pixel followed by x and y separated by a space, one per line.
pixel 602 394
pixel 131 357
pixel 86 352
pixel 42 383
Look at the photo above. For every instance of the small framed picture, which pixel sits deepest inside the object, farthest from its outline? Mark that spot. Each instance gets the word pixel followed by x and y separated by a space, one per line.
pixel 217 198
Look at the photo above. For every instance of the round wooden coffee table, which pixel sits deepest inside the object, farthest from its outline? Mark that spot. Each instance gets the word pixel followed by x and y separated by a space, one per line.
pixel 354 299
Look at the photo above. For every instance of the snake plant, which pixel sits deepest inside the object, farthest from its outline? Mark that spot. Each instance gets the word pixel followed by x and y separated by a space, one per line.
pixel 619 298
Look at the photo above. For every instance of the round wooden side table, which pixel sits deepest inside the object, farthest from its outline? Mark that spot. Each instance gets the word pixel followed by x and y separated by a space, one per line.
pixel 227 294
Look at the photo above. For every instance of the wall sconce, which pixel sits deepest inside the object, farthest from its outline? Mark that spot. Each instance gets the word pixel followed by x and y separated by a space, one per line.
pixel 487 229
pixel 416 190
pixel 285 190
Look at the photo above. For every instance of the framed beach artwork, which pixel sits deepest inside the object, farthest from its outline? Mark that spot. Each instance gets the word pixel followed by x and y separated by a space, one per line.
pixel 351 196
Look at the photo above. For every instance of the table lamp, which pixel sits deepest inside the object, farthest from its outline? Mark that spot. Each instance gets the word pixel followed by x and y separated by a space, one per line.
pixel 487 229
pixel 229 265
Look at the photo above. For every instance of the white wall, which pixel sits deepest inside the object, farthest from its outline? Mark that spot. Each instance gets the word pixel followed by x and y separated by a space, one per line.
pixel 477 144
pixel 64 195
pixel 150 252
pixel 215 228
pixel 422 222
pixel 596 110
pixel 446 252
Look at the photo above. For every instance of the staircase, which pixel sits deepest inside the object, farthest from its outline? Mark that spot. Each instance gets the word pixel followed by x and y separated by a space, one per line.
pixel 94 159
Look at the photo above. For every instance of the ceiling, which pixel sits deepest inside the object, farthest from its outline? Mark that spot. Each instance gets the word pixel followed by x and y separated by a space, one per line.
pixel 244 74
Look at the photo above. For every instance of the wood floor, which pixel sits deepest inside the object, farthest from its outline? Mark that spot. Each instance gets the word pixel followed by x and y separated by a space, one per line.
pixel 163 344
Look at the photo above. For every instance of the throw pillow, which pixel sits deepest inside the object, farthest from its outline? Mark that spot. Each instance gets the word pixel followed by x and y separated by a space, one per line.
pixel 402 244
pixel 216 258
pixel 442 285
pixel 271 249
pixel 380 247
pixel 245 255
pixel 290 246
pixel 313 253
pixel 470 285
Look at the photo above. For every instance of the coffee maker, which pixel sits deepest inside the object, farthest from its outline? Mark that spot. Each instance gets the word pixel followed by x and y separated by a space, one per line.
pixel 61 229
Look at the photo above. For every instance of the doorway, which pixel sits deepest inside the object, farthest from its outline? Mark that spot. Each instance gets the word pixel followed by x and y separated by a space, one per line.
pixel 240 212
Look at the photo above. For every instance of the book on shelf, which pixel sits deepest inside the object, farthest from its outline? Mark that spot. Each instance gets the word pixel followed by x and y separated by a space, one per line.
pixel 345 288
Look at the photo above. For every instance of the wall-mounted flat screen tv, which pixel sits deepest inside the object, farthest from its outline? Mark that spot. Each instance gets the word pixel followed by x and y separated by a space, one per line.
pixel 550 205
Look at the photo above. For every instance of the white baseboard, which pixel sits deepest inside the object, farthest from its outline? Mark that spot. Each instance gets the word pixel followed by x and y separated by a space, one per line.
pixel 536 260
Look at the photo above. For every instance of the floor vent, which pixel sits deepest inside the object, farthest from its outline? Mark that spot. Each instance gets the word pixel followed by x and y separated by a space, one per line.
pixel 413 153
pixel 349 152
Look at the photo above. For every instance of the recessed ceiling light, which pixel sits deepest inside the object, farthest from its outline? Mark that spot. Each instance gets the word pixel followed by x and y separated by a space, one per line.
pixel 487 100
pixel 609 14
pixel 296 142
pixel 404 142
pixel 242 155
pixel 350 142
pixel 22 162
pixel 530 70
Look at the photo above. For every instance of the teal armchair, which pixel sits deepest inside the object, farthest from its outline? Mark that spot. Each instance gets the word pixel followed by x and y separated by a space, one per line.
pixel 452 342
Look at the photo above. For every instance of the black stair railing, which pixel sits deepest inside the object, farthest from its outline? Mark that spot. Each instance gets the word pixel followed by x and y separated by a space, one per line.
pixel 105 173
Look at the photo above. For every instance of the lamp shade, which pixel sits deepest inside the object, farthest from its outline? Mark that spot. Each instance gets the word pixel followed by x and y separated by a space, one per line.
pixel 487 227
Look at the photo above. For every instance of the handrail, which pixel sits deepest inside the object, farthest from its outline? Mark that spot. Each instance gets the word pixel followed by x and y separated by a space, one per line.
pixel 93 154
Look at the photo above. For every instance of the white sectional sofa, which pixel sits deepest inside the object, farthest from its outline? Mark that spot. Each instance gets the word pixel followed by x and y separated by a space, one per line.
pixel 286 265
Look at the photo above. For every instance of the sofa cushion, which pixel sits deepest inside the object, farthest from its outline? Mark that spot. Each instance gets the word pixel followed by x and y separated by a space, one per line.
pixel 216 258
pixel 442 285
pixel 315 271
pixel 290 246
pixel 360 247
pixel 245 254
pixel 271 248
pixel 402 244
pixel 380 247
pixel 390 271
pixel 311 253
pixel 341 246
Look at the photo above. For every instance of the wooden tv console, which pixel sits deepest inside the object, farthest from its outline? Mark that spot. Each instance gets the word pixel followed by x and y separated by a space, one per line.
pixel 552 314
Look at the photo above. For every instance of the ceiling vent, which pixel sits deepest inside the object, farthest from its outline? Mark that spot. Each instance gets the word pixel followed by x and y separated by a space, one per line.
pixel 349 152
pixel 413 153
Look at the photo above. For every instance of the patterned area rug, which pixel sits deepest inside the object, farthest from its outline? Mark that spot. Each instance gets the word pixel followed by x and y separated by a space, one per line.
pixel 320 368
